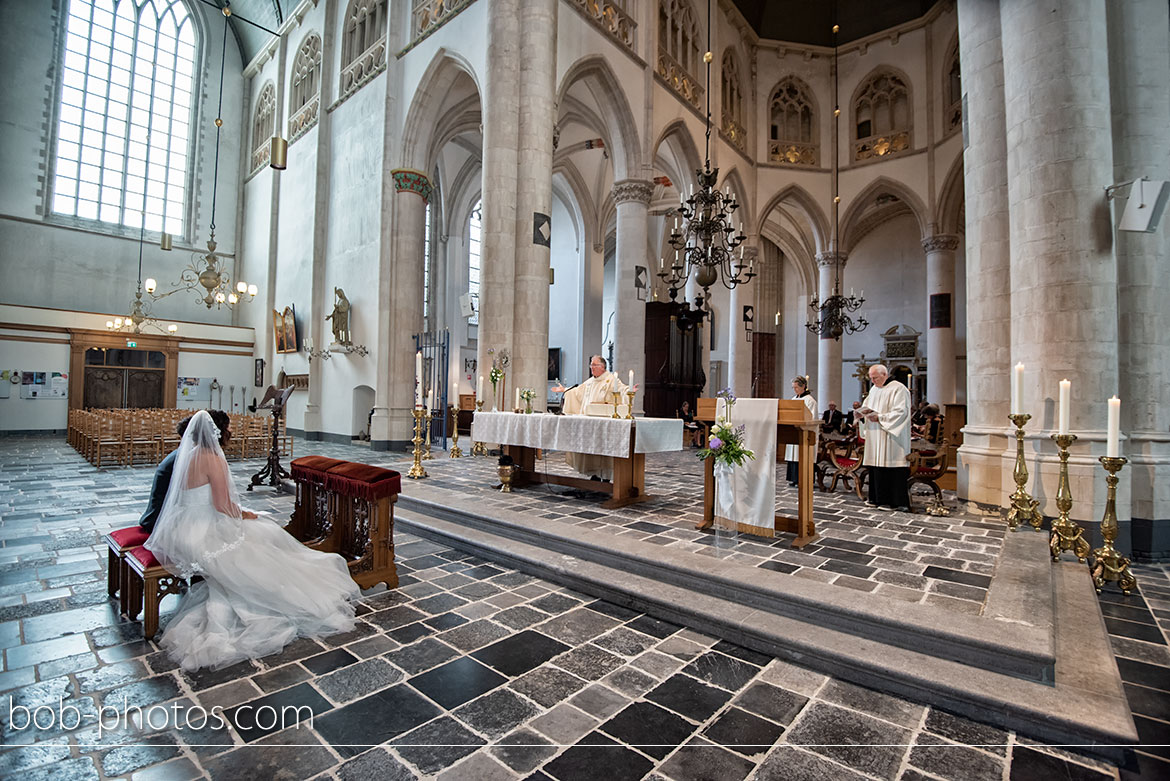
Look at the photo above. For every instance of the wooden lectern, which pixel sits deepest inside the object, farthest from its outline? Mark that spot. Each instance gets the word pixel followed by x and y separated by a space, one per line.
pixel 795 425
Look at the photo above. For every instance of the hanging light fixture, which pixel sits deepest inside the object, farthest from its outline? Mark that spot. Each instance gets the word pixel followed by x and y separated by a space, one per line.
pixel 705 242
pixel 140 315
pixel 207 275
pixel 830 318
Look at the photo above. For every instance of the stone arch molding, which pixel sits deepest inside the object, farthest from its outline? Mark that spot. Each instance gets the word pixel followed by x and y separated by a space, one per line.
pixel 744 213
pixel 852 219
pixel 812 211
pixel 621 129
pixel 948 216
pixel 428 106
pixel 677 137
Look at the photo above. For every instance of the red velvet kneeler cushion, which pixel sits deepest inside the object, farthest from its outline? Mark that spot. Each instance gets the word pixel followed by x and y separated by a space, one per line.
pixel 364 481
pixel 312 469
pixel 130 537
pixel 144 557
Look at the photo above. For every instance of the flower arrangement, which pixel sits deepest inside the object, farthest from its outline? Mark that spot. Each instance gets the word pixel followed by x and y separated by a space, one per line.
pixel 500 363
pixel 725 444
pixel 528 394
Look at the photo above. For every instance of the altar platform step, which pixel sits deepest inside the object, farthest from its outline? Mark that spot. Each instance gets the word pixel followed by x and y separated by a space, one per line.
pixel 1037 661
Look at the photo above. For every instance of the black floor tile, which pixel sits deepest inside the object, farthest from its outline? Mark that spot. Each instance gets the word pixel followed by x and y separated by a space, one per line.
pixel 329 661
pixel 244 717
pixel 1154 736
pixel 649 728
pixel 743 732
pixel 954 576
pixel 374 720
pixel 456 682
pixel 701 761
pixel 1029 764
pixel 437 744
pixel 848 568
pixel 771 702
pixel 1143 674
pixel 446 621
pixel 1135 631
pixel 779 566
pixel 653 627
pixel 612 610
pixel 520 653
pixel 693 699
pixel 1116 610
pixel 739 652
pixel 582 762
pixel 721 670
pixel 1147 702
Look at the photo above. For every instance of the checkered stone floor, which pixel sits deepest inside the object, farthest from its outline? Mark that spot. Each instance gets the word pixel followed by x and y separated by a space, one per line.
pixel 469 670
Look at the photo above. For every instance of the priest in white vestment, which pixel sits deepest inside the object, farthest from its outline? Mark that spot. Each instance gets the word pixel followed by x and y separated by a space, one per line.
pixel 598 389
pixel 886 428
pixel 792 452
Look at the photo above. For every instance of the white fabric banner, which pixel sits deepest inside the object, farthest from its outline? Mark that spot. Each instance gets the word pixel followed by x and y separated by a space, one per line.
pixel 748 496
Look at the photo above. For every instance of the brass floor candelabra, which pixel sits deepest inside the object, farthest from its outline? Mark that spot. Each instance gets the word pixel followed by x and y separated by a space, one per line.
pixel 456 452
pixel 1066 534
pixel 478 448
pixel 1023 506
pixel 1108 563
pixel 426 456
pixel 616 402
pixel 630 404
pixel 416 469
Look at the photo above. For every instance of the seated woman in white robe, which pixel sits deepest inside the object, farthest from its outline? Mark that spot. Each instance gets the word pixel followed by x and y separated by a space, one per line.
pixel 598 389
pixel 261 588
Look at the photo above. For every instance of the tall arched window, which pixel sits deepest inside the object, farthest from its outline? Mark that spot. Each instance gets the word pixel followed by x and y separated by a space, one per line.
pixel 882 116
pixel 792 136
pixel 263 126
pixel 953 89
pixel 731 96
pixel 474 249
pixel 679 56
pixel 123 124
pixel 306 87
pixel 363 43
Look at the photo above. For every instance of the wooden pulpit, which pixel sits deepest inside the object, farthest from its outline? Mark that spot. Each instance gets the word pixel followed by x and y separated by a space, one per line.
pixel 795 425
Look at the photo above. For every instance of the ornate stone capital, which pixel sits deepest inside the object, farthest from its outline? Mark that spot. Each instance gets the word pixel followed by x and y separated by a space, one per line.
pixel 941 241
pixel 407 180
pixel 750 254
pixel 638 190
pixel 832 257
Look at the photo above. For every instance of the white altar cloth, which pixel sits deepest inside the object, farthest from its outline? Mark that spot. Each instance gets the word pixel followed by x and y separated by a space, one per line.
pixel 578 433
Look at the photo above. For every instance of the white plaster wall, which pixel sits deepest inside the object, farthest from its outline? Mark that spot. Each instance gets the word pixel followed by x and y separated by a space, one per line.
pixel 566 298
pixel 17 414
pixel 230 370
pixel 83 269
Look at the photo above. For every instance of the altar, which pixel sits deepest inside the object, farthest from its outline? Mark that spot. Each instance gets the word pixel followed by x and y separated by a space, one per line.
pixel 626 440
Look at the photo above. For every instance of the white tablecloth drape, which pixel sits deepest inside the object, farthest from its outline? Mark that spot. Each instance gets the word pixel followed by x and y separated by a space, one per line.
pixel 747 497
pixel 578 433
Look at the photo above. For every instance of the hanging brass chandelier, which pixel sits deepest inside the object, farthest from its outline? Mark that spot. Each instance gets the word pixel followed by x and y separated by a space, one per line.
pixel 831 318
pixel 140 315
pixel 705 242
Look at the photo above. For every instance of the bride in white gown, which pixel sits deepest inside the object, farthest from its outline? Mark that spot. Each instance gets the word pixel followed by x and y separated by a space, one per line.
pixel 261 588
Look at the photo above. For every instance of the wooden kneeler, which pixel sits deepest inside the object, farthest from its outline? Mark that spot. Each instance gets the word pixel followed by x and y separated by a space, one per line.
pixel 145 583
pixel 121 542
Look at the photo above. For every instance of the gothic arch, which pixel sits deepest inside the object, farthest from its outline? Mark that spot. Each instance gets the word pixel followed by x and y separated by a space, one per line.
pixel 948 217
pixel 853 217
pixel 621 129
pixel 579 190
pixel 744 212
pixel 677 136
pixel 818 224
pixel 897 145
pixel 428 106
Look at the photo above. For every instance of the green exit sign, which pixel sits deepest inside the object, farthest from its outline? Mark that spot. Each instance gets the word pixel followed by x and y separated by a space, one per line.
pixel 131 344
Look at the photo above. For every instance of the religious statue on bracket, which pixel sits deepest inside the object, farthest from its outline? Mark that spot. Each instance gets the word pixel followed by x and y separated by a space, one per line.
pixel 340 318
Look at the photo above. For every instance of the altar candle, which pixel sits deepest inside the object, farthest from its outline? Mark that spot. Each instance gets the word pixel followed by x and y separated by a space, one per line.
pixel 1018 390
pixel 1113 444
pixel 430 399
pixel 631 382
pixel 479 388
pixel 1065 392
pixel 517 399
pixel 418 379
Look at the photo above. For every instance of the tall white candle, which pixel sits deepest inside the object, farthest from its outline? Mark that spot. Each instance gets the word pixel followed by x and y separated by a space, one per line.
pixel 1113 444
pixel 1018 390
pixel 1065 393
pixel 418 399
pixel 431 399
pixel 631 382
pixel 479 388
pixel 517 406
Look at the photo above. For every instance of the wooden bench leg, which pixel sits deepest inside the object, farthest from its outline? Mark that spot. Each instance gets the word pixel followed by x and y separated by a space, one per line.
pixel 150 602
pixel 113 573
pixel 132 588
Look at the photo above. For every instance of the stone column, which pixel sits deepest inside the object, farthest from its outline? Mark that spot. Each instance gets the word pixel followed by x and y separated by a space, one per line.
pixel 988 255
pixel 828 387
pixel 1063 272
pixel 739 349
pixel 1139 37
pixel 940 332
pixel 501 127
pixel 632 197
pixel 537 116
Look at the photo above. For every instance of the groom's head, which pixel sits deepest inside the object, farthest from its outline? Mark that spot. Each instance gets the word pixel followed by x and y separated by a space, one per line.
pixel 223 423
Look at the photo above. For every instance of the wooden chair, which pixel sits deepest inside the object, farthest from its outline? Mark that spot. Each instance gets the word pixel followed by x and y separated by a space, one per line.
pixel 108 440
pixel 845 456
pixel 927 465
pixel 141 440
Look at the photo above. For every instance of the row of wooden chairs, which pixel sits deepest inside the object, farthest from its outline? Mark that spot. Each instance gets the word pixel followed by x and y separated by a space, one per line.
pixel 144 436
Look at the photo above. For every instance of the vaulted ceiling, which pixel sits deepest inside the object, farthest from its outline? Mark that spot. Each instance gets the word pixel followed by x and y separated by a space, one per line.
pixel 811 21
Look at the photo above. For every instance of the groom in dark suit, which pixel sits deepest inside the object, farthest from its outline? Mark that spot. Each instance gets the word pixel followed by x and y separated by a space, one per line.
pixel 162 473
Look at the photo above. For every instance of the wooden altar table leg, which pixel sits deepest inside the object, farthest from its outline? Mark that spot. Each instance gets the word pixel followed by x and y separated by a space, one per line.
pixel 622 482
pixel 638 476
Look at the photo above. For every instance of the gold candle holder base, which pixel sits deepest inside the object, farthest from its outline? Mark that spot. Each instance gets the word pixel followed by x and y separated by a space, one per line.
pixel 478 448
pixel 1108 563
pixel 506 473
pixel 1023 506
pixel 455 452
pixel 617 395
pixel 416 469
pixel 1066 534
pixel 426 456
pixel 630 404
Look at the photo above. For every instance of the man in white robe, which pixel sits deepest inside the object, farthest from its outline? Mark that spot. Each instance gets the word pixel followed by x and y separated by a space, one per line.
pixel 598 389
pixel 886 428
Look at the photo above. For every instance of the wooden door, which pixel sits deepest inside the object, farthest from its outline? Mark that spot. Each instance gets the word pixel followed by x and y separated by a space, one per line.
pixel 104 387
pixel 764 366
pixel 144 388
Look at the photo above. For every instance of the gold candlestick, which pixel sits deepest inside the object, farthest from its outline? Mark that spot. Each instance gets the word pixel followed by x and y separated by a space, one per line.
pixel 630 404
pixel 478 448
pixel 427 441
pixel 455 451
pixel 506 473
pixel 617 395
pixel 1108 563
pixel 1066 534
pixel 1023 506
pixel 416 469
